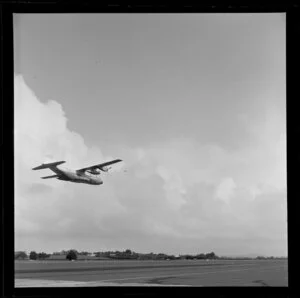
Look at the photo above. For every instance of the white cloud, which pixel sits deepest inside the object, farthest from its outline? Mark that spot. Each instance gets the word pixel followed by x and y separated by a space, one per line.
pixel 225 189
pixel 174 191
pixel 41 134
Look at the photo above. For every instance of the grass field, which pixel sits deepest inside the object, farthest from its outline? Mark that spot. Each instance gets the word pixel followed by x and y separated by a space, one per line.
pixel 178 272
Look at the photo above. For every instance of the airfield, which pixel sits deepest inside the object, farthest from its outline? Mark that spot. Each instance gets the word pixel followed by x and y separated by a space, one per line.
pixel 151 273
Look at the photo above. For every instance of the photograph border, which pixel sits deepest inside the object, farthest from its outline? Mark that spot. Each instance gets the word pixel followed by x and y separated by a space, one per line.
pixel 293 149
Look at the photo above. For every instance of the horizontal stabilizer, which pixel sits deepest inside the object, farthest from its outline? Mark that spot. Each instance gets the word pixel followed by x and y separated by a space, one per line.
pixel 52 176
pixel 48 165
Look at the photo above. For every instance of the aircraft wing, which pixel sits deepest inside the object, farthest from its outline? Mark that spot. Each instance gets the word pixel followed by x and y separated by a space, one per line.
pixel 99 166
pixel 52 176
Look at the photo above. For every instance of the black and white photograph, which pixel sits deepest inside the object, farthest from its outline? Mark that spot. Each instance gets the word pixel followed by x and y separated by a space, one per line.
pixel 150 150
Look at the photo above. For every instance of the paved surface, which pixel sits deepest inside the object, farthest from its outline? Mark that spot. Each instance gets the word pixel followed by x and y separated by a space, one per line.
pixel 151 273
pixel 33 283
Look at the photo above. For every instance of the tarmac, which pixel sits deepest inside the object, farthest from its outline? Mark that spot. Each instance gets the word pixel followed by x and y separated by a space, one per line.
pixel 159 273
pixel 34 283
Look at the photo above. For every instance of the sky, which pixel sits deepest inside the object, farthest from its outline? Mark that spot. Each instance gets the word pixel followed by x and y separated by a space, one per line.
pixel 194 105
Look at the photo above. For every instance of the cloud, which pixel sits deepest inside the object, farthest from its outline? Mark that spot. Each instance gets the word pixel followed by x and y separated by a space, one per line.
pixel 41 134
pixel 177 195
pixel 37 188
pixel 225 189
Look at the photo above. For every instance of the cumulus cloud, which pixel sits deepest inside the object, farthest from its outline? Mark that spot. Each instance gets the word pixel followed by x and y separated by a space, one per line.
pixel 176 196
pixel 41 134
pixel 225 189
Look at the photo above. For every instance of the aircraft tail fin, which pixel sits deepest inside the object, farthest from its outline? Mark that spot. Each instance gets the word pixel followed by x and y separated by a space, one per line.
pixel 48 165
pixel 52 176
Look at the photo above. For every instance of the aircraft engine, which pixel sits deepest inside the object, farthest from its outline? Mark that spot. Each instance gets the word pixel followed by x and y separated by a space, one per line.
pixel 105 169
pixel 94 171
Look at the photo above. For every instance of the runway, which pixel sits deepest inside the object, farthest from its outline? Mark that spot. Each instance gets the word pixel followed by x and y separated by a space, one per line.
pixel 151 273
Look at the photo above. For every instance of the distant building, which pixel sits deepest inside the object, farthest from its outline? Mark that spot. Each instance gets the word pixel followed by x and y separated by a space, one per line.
pixel 91 254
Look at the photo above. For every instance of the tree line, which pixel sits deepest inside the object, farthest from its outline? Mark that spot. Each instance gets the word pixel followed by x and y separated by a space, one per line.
pixel 73 254
pixel 32 256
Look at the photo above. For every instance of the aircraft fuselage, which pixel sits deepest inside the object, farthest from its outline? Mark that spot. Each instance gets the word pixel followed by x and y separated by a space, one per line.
pixel 73 176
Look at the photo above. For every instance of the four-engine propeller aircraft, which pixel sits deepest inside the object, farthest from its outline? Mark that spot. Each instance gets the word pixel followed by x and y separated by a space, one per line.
pixel 88 175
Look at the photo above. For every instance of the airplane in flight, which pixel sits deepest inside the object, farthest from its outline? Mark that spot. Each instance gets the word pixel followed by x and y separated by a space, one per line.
pixel 88 175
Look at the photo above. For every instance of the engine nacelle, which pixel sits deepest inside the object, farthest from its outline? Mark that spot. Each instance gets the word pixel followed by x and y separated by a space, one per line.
pixel 97 171
pixel 104 169
pixel 94 171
